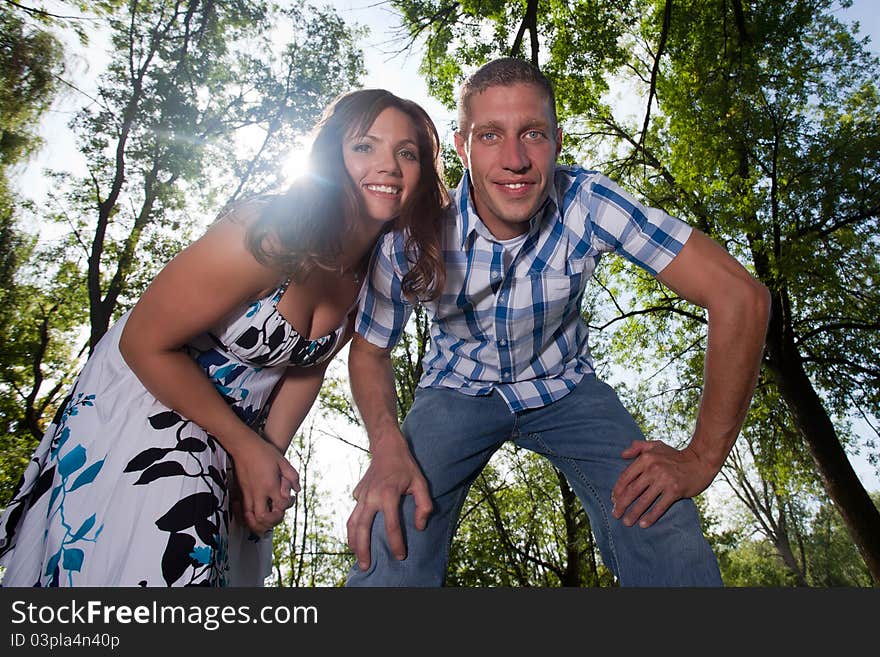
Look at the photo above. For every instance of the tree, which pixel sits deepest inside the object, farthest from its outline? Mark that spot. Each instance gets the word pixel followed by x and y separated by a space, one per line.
pixel 184 80
pixel 766 471
pixel 31 61
pixel 759 127
pixel 830 558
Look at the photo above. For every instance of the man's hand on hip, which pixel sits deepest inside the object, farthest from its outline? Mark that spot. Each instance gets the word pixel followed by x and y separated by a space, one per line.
pixel 659 475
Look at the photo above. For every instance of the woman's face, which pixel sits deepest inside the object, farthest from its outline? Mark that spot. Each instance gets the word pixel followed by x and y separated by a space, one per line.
pixel 384 163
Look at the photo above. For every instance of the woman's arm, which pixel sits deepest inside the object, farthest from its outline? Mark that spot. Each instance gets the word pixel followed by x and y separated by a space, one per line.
pixel 296 394
pixel 195 291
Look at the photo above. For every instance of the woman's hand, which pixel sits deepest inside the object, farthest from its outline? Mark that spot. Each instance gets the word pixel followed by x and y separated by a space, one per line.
pixel 264 479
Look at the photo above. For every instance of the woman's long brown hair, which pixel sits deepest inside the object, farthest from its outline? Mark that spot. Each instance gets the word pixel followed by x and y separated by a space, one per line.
pixel 305 227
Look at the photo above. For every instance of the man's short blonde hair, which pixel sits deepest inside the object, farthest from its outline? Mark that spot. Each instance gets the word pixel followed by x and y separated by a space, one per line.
pixel 503 72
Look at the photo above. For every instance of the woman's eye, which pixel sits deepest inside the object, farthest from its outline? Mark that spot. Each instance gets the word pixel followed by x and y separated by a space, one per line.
pixel 409 155
pixel 361 148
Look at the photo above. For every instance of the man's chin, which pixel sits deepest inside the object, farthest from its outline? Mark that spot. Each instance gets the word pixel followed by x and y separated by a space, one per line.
pixel 518 215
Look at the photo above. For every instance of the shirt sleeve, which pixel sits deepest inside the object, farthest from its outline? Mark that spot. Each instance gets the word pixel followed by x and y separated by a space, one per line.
pixel 383 310
pixel 648 237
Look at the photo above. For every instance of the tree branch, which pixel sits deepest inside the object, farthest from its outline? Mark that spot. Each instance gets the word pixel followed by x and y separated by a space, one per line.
pixel 655 69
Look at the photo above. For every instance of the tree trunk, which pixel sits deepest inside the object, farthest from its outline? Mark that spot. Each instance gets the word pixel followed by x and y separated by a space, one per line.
pixel 572 575
pixel 841 482
pixel 783 547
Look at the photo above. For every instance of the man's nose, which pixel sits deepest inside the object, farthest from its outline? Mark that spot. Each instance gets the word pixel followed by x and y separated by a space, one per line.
pixel 514 156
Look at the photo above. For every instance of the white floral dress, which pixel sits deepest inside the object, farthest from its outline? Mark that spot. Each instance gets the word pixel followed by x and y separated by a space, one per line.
pixel 124 491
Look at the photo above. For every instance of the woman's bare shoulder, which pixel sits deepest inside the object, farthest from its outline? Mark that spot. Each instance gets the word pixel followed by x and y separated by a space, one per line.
pixel 244 213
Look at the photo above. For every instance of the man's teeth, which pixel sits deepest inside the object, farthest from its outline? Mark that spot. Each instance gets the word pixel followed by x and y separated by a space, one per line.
pixel 514 185
pixel 385 189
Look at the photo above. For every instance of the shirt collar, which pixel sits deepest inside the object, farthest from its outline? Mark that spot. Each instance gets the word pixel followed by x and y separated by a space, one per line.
pixel 466 210
pixel 470 220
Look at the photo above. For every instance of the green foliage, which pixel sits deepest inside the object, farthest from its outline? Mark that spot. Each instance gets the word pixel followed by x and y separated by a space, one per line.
pixel 831 558
pixel 40 300
pixel 774 148
pixel 580 42
pixel 30 63
pixel 453 168
pixel 753 563
pixel 40 318
pixel 769 141
pixel 197 108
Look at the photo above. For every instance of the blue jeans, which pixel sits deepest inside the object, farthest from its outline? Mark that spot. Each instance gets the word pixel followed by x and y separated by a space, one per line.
pixel 452 436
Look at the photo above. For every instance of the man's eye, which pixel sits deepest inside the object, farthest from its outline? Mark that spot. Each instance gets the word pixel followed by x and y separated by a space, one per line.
pixel 488 136
pixel 534 134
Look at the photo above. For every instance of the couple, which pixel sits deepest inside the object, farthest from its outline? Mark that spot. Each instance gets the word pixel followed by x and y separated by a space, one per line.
pixel 501 272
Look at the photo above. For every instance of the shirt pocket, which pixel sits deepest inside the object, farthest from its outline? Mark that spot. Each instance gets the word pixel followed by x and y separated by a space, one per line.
pixel 537 307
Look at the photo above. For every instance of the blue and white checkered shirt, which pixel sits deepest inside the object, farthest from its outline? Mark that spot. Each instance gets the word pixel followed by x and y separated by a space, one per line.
pixel 518 328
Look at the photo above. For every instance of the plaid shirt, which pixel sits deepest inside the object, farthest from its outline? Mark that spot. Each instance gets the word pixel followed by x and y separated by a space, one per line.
pixel 518 330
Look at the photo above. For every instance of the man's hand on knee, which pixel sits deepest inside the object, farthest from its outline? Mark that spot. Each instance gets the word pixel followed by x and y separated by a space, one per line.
pixel 392 473
pixel 659 475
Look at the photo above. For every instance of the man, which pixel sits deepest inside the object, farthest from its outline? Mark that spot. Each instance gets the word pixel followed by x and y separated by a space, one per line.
pixel 509 358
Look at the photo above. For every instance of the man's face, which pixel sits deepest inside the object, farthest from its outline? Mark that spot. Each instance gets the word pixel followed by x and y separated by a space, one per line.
pixel 510 146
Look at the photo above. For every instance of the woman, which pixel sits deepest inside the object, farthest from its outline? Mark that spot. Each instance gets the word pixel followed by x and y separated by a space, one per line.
pixel 217 364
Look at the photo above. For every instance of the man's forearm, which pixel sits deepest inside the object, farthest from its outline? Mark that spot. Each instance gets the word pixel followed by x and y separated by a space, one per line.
pixel 737 331
pixel 372 385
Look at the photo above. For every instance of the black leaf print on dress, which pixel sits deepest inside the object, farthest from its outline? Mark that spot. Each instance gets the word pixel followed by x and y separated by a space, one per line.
pixel 207 531
pixel 159 470
pixel 249 338
pixel 191 445
pixel 218 478
pixel 276 339
pixel 261 359
pixel 41 485
pixel 164 420
pixel 147 458
pixel 176 558
pixel 59 414
pixel 11 527
pixel 55 576
pixel 186 512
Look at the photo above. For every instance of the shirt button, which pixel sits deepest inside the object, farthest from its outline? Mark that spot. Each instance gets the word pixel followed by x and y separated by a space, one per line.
pixel 502 298
pixel 502 342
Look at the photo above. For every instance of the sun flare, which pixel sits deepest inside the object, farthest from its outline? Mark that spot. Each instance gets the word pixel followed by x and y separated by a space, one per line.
pixel 296 163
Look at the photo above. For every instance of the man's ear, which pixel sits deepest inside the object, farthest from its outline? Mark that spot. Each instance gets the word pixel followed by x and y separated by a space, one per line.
pixel 461 148
pixel 558 141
